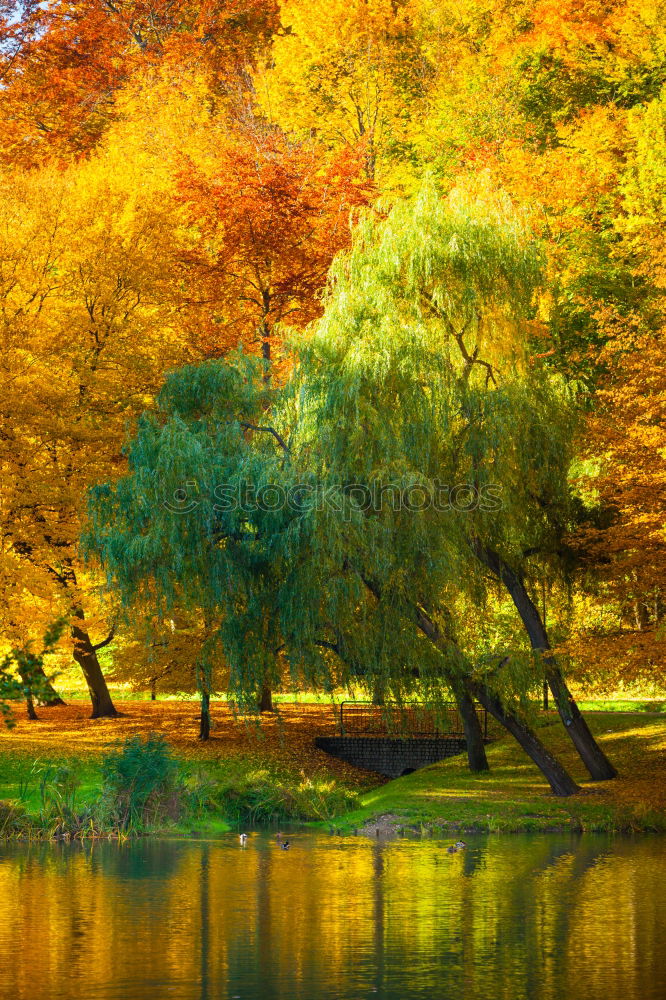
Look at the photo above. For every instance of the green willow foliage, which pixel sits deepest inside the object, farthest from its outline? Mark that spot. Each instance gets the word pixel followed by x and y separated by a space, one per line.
pixel 417 377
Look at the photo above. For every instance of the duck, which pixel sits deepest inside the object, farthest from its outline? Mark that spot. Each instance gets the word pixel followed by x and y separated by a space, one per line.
pixel 460 845
pixel 243 839
pixel 285 845
pixel 451 849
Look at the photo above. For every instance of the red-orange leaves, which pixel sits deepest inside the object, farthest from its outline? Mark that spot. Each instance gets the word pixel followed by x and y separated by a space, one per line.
pixel 267 219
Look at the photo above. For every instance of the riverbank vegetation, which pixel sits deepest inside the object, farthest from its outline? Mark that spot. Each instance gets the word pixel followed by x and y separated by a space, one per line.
pixel 64 775
pixel 68 778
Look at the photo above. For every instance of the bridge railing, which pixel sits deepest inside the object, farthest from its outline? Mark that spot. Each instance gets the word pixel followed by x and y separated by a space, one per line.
pixel 363 718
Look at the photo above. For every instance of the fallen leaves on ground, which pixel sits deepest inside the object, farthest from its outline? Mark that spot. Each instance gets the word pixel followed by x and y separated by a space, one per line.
pixel 286 739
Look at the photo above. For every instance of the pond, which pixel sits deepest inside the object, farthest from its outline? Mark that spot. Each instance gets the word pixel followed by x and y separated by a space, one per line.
pixel 513 917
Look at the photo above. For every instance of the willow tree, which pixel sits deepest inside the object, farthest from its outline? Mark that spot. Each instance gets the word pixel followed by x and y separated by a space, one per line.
pixel 177 534
pixel 419 409
pixel 443 292
pixel 220 517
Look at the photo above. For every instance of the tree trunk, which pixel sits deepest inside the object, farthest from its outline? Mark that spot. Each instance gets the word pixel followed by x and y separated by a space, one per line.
pixel 378 694
pixel 557 777
pixel 153 690
pixel 266 699
pixel 48 696
pixel 204 723
pixel 30 707
pixel 266 695
pixel 595 760
pixel 476 750
pixel 86 657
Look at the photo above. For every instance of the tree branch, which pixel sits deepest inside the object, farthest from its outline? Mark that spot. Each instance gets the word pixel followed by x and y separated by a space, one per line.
pixel 105 642
pixel 268 430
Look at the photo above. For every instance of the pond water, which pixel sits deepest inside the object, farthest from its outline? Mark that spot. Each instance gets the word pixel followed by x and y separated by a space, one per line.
pixel 510 918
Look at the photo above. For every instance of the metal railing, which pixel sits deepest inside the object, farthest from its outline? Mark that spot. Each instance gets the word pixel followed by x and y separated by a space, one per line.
pixel 362 718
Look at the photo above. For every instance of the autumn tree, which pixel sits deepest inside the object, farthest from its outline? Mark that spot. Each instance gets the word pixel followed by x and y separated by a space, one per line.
pixel 351 74
pixel 553 104
pixel 22 675
pixel 621 544
pixel 85 336
pixel 63 64
pixel 384 389
pixel 267 216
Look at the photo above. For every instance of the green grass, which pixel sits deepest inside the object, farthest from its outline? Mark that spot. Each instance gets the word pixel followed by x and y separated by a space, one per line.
pixel 19 778
pixel 216 795
pixel 651 705
pixel 513 797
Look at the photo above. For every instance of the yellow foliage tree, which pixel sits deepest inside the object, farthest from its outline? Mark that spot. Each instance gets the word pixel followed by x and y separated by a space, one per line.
pixel 350 73
pixel 87 330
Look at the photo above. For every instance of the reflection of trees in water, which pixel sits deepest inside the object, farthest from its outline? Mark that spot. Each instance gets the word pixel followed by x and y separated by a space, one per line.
pixel 513 915
pixel 204 925
pixel 378 914
pixel 137 860
pixel 267 918
pixel 525 918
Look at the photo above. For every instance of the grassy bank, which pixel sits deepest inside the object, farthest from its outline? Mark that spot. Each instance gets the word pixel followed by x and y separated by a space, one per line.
pixel 513 796
pixel 52 780
pixel 76 798
pixel 247 775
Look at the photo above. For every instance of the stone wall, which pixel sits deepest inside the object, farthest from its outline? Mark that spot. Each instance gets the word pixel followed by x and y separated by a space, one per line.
pixel 391 756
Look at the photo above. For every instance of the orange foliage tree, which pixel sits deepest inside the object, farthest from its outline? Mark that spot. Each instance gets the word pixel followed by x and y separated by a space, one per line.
pixel 61 64
pixel 267 217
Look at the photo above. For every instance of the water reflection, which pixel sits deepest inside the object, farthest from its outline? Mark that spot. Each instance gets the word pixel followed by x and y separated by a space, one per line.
pixel 511 918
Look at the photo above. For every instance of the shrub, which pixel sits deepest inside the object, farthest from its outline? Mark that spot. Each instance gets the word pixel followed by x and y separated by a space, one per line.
pixel 259 796
pixel 141 784
pixel 12 816
pixel 58 785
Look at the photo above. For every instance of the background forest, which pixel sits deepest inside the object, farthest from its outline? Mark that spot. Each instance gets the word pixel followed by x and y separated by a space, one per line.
pixel 176 181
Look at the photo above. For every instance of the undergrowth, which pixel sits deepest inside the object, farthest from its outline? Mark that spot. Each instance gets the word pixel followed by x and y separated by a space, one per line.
pixel 143 788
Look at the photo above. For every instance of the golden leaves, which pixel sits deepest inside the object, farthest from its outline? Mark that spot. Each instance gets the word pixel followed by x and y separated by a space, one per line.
pixel 284 740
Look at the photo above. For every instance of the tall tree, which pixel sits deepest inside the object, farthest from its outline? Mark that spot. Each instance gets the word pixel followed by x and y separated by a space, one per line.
pixel 85 335
pixel 63 64
pixel 267 217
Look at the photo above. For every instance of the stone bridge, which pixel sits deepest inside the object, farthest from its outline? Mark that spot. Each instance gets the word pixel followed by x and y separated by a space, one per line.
pixel 391 756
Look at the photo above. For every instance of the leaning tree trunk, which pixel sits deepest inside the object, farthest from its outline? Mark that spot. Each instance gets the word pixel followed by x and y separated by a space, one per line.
pixel 557 777
pixel 595 760
pixel 30 707
pixel 476 750
pixel 85 655
pixel 48 696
